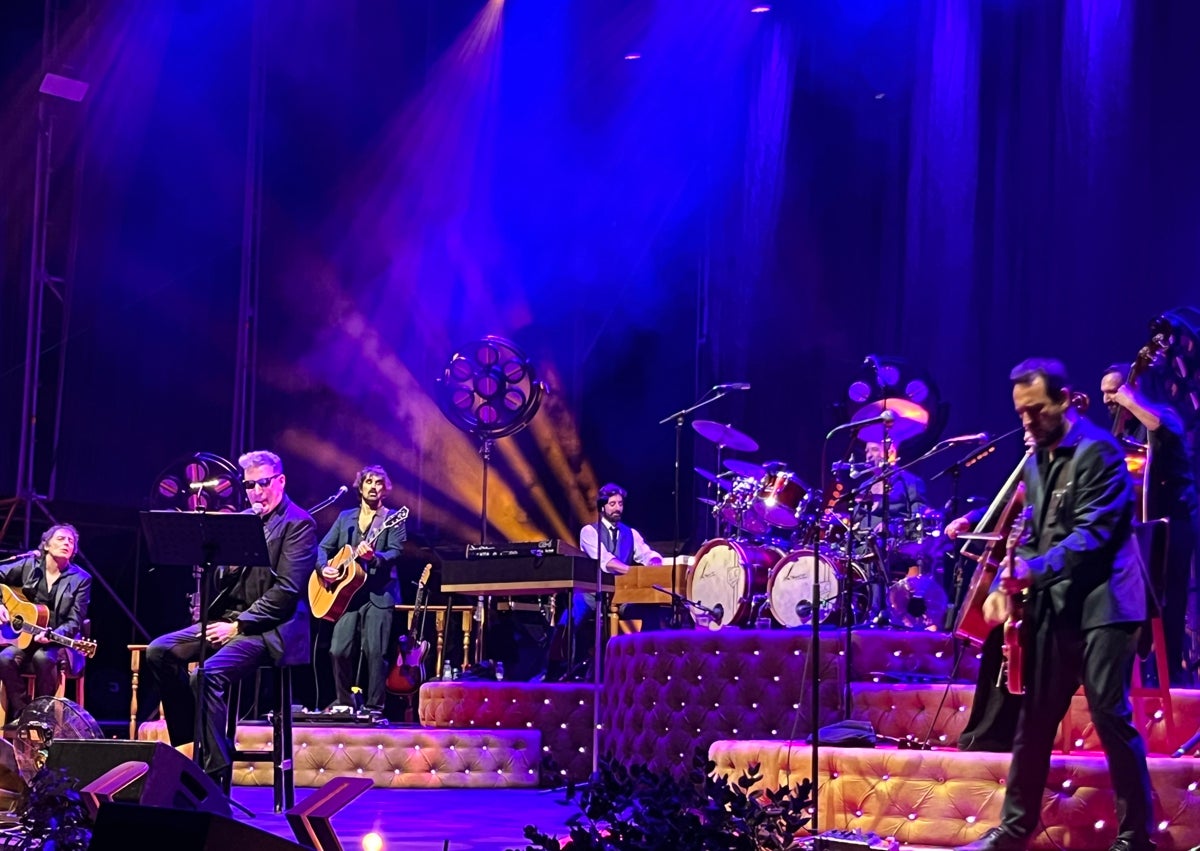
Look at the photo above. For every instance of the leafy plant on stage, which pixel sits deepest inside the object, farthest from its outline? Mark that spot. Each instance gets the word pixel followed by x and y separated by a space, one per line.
pixel 52 814
pixel 635 809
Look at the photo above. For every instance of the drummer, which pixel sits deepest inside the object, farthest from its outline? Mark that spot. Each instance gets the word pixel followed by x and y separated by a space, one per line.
pixel 903 490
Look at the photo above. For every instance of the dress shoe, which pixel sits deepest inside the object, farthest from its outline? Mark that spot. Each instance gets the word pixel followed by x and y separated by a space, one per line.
pixel 996 839
pixel 1131 845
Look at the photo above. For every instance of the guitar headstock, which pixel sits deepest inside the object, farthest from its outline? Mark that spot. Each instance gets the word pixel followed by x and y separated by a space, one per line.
pixel 1019 533
pixel 86 646
pixel 425 574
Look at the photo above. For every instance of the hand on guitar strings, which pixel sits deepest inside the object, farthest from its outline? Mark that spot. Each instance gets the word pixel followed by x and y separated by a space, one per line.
pixel 1015 576
pixel 364 551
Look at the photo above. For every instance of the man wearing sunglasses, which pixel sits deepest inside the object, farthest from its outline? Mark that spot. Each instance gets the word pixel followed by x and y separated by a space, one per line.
pixel 258 616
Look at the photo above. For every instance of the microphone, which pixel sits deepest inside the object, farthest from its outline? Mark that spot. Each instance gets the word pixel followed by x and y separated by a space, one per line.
pixel 329 500
pixel 718 611
pixel 17 557
pixel 855 471
pixel 887 417
pixel 966 439
pixel 873 362
pixel 258 508
pixel 737 385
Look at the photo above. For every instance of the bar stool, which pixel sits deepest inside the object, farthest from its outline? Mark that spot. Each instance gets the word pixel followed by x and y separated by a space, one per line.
pixel 280 756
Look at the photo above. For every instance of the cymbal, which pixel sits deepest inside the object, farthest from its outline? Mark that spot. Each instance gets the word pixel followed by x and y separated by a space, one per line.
pixel 745 468
pixel 725 435
pixel 911 419
pixel 712 478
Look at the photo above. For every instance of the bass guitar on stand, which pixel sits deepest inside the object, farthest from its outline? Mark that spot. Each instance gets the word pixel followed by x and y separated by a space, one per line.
pixel 406 675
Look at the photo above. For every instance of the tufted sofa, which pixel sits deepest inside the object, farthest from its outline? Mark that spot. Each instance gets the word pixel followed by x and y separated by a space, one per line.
pixel 393 757
pixel 560 712
pixel 667 694
pixel 946 797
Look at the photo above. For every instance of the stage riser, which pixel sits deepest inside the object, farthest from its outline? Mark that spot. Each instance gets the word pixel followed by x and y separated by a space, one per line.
pixel 947 798
pixel 394 757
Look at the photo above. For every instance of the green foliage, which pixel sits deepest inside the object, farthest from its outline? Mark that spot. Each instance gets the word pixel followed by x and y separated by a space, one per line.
pixel 52 814
pixel 634 809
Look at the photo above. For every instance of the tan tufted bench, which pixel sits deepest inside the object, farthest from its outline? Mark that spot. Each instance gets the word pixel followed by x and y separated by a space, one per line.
pixel 393 757
pixel 561 712
pixel 946 797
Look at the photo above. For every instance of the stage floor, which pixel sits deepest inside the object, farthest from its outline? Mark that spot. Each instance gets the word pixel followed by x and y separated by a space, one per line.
pixel 423 819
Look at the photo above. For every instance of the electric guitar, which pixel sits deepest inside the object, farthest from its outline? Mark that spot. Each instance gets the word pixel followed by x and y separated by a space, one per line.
pixel 405 676
pixel 328 598
pixel 1012 668
pixel 28 620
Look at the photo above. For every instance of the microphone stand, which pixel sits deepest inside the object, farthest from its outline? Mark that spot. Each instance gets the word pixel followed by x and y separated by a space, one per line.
pixel 601 618
pixel 679 417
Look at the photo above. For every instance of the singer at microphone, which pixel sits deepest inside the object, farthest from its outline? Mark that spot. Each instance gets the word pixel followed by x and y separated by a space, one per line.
pixel 370 536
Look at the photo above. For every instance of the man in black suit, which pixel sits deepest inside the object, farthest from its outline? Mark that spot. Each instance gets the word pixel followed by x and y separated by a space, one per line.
pixel 364 629
pixel 259 615
pixel 1087 587
pixel 49 578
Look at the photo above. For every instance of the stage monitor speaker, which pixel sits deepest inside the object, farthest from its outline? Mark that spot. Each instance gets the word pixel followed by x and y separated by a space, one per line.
pixel 129 827
pixel 172 781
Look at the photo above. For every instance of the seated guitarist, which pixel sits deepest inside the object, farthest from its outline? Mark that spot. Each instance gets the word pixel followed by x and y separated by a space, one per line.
pixel 364 629
pixel 48 578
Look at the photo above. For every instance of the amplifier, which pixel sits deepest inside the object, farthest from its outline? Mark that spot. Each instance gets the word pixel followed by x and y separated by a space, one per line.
pixel 523 549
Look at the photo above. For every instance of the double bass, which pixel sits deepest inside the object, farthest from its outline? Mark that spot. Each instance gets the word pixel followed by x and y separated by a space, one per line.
pixel 1137 456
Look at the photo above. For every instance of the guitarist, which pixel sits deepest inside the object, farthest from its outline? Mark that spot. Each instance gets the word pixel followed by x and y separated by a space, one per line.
pixel 1171 493
pixel 49 578
pixel 1087 601
pixel 364 629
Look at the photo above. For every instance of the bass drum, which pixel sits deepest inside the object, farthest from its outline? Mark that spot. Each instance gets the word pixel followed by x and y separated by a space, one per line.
pixel 790 589
pixel 729 573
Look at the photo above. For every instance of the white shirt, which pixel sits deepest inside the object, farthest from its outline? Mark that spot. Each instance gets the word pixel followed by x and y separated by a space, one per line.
pixel 642 553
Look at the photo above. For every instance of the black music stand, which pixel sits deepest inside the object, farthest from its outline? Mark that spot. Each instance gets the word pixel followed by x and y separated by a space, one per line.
pixel 202 540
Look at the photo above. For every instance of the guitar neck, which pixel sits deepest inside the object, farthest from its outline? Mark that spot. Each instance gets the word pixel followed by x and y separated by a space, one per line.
pixel 51 635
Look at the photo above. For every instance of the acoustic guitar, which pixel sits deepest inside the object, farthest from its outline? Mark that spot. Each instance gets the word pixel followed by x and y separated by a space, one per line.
pixel 28 620
pixel 405 676
pixel 329 598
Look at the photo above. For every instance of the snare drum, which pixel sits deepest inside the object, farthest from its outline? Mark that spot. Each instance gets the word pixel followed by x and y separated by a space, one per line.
pixel 729 573
pixel 779 499
pixel 789 588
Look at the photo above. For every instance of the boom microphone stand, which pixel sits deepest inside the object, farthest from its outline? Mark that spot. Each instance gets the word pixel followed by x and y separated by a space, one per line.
pixel 679 417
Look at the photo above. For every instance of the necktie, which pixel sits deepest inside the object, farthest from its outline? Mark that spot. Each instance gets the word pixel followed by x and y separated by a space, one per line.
pixel 612 534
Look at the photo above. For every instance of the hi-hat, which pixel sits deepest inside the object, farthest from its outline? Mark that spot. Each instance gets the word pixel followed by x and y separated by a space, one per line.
pixel 910 420
pixel 725 435
pixel 745 468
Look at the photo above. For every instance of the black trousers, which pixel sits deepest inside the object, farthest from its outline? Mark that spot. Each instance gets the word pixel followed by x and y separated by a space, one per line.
pixel 1061 658
pixel 362 632
pixel 42 660
pixel 167 659
pixel 1176 585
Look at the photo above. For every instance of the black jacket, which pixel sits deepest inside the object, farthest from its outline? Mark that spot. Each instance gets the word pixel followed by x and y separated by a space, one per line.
pixel 381 585
pixel 272 601
pixel 71 594
pixel 1081 550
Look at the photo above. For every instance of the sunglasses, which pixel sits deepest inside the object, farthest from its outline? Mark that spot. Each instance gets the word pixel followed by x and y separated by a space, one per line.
pixel 262 483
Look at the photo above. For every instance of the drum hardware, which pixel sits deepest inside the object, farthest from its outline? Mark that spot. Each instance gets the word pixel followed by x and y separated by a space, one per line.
pixel 716 614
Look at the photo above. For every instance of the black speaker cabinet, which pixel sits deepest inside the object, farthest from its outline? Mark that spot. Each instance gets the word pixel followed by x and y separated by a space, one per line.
pixel 172 781
pixel 129 827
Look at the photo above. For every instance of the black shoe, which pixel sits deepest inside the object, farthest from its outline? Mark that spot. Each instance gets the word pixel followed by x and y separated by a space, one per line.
pixel 1131 845
pixel 996 839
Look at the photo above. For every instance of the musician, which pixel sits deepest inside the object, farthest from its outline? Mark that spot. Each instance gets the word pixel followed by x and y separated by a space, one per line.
pixel 1171 493
pixel 1087 600
pixel 259 616
pixel 364 629
pixel 905 491
pixel 47 577
pixel 620 546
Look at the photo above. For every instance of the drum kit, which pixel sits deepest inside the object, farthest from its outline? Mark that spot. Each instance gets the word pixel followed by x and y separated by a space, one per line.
pixel 774 532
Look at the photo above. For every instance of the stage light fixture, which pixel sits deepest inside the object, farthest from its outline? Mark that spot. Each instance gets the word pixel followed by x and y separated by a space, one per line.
pixel 199 482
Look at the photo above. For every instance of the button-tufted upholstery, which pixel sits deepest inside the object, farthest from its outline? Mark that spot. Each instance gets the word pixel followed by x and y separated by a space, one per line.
pixel 561 712
pixel 927 654
pixel 666 694
pixel 947 797
pixel 393 757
